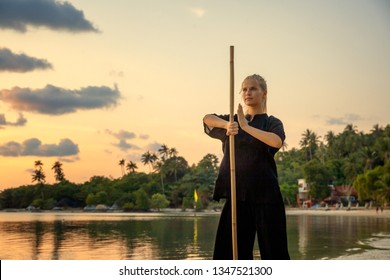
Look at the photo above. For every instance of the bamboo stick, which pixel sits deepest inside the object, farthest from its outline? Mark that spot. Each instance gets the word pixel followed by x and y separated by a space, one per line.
pixel 232 160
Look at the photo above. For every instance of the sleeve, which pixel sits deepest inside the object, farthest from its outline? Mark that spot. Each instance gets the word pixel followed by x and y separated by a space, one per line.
pixel 276 126
pixel 216 132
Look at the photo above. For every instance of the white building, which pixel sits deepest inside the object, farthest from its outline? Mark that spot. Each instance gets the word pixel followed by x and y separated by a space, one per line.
pixel 303 190
pixel 303 199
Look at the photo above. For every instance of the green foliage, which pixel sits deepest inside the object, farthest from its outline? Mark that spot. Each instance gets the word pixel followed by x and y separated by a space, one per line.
pixel 159 201
pixel 43 204
pixel 348 158
pixel 340 159
pixel 187 203
pixel 37 203
pixel 128 206
pixel 289 192
pixel 318 176
pixel 91 199
pixel 198 204
pixel 374 184
pixel 142 201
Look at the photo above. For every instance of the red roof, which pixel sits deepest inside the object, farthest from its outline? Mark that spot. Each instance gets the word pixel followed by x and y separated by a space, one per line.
pixel 344 191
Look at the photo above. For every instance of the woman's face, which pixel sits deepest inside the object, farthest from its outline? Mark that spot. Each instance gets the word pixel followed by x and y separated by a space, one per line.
pixel 252 94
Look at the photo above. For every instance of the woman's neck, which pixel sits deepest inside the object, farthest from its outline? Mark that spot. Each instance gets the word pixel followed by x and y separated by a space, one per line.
pixel 255 111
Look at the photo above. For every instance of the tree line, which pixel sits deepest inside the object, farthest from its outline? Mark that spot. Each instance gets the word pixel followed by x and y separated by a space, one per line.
pixel 171 182
pixel 349 158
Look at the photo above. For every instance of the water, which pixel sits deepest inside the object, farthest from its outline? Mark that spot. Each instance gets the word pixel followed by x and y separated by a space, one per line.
pixel 153 236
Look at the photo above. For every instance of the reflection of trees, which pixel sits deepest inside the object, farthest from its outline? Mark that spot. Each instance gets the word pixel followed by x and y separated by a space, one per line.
pixel 58 236
pixel 157 238
pixel 163 237
pixel 37 240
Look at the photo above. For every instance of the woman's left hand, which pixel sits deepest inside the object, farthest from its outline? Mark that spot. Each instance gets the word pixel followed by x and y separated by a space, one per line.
pixel 241 117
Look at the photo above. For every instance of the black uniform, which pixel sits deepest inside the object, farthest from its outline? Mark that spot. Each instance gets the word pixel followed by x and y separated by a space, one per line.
pixel 260 206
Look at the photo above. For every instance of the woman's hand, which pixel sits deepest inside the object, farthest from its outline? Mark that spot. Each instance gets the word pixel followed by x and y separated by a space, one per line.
pixel 232 128
pixel 241 117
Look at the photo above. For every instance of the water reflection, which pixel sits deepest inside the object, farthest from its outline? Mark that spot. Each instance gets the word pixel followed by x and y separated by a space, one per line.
pixel 303 235
pixel 81 236
pixel 323 237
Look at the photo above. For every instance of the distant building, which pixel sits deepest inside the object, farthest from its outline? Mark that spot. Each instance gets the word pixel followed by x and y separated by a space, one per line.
pixel 303 199
pixel 342 194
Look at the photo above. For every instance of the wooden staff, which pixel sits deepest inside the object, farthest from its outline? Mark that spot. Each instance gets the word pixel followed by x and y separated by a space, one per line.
pixel 232 160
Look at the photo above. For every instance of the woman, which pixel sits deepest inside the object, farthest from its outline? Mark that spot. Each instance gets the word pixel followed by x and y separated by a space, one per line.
pixel 260 206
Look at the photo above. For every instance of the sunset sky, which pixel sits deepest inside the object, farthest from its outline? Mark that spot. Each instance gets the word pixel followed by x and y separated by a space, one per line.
pixel 91 82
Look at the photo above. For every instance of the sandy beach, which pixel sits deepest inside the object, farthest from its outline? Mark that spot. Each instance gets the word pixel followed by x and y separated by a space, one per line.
pixel 189 212
pixel 341 212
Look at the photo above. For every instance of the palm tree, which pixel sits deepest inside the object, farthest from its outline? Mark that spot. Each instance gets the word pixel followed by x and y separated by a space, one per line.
pixel 131 167
pixel 38 175
pixel 284 146
pixel 159 166
pixel 309 141
pixel 377 130
pixel 173 153
pixel 164 152
pixel 122 164
pixel 351 128
pixel 38 164
pixel 58 171
pixel 330 138
pixel 149 158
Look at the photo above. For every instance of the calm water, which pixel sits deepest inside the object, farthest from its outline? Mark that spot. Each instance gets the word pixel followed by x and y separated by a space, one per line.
pixel 94 236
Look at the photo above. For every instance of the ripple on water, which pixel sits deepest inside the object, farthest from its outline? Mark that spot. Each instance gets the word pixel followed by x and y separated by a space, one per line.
pixel 375 247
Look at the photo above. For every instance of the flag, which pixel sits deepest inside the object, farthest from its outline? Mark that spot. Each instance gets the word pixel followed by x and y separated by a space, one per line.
pixel 195 196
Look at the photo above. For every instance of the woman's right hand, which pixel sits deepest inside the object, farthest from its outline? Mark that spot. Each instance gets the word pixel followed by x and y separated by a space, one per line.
pixel 231 128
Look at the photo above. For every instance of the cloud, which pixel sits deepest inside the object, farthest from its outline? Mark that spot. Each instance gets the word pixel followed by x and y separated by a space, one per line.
pixel 198 12
pixel 21 121
pixel 22 63
pixel 11 149
pixel 124 145
pixel 57 15
pixel 69 159
pixel 144 136
pixel 153 146
pixel 53 100
pixel 34 147
pixel 123 136
pixel 346 119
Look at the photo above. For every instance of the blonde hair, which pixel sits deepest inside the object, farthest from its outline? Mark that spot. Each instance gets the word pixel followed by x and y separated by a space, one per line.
pixel 263 85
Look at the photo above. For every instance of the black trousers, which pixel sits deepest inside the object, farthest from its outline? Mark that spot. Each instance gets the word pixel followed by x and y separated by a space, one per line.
pixel 268 220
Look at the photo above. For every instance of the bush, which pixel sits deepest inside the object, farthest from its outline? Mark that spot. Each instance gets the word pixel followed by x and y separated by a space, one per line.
pixel 159 201
pixel 128 206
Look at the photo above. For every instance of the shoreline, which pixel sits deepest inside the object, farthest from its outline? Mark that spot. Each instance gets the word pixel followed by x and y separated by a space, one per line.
pixel 361 212
pixel 190 212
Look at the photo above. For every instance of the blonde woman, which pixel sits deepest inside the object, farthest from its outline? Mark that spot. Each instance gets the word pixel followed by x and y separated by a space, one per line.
pixel 260 207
